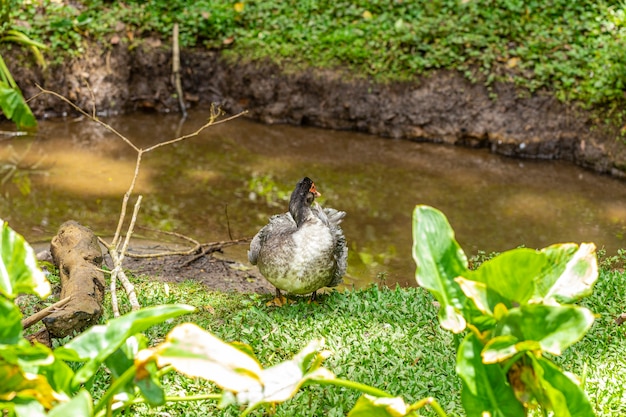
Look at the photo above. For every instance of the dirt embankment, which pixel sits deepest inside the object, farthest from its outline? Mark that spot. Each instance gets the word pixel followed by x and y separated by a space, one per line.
pixel 443 107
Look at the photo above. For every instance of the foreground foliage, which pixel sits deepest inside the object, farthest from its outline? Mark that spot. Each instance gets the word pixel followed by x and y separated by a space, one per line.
pixel 12 101
pixel 518 309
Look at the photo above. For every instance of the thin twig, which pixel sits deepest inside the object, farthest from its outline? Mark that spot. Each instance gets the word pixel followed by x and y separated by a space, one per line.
pixel 40 315
pixel 230 235
pixel 127 195
pixel 115 307
pixel 219 245
pixel 197 132
pixel 94 118
pixel 175 234
pixel 118 272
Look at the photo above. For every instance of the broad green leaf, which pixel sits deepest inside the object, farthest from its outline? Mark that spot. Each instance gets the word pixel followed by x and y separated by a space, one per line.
pixel 512 274
pixel 574 273
pixel 483 297
pixel 29 408
pixel 15 107
pixel 281 382
pixel 150 386
pixel 369 406
pixel 565 395
pixel 96 344
pixel 147 381
pixel 439 260
pixel 19 272
pixel 38 359
pixel 197 353
pixel 554 328
pixel 499 348
pixel 485 387
pixel 10 322
pixel 26 386
pixel 81 405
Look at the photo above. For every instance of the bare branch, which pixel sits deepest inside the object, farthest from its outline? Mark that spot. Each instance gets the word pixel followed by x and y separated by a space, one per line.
pixel 40 315
pixel 211 245
pixel 94 117
pixel 118 253
pixel 211 122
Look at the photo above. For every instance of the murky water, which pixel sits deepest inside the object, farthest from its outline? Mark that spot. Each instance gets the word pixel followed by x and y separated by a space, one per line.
pixel 230 179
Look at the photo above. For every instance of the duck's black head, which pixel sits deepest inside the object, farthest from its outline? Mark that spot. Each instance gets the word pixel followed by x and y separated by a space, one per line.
pixel 301 199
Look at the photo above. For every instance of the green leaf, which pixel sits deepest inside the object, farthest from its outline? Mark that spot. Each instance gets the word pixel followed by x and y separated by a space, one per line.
pixel 81 405
pixel 97 343
pixel 483 297
pixel 148 383
pixel 15 107
pixel 566 397
pixel 439 260
pixel 369 406
pixel 512 274
pixel 19 272
pixel 197 353
pixel 485 387
pixel 552 328
pixel 10 322
pixel 574 273
pixel 30 408
pixel 17 384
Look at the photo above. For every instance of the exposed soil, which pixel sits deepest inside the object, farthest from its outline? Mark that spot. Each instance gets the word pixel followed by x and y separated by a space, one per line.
pixel 443 107
pixel 215 273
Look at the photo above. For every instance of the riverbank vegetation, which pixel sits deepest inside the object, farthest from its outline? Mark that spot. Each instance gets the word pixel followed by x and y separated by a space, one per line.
pixel 573 49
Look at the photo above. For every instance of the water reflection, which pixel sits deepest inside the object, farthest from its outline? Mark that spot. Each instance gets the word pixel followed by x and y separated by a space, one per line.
pixel 208 187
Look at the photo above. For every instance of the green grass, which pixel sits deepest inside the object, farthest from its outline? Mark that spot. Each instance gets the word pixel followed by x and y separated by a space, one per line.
pixel 574 49
pixel 386 338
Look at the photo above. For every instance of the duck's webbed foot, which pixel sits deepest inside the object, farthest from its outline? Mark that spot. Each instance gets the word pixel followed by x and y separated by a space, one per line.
pixel 279 301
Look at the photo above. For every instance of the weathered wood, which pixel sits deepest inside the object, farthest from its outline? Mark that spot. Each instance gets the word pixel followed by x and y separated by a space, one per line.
pixel 77 254
pixel 42 336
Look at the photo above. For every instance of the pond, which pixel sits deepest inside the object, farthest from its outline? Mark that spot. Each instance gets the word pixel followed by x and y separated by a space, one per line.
pixel 227 181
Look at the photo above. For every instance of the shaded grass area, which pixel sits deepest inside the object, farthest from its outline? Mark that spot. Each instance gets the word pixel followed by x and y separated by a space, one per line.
pixel 572 48
pixel 387 338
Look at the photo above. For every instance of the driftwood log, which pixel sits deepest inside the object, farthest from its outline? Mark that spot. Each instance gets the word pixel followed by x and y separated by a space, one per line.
pixel 77 254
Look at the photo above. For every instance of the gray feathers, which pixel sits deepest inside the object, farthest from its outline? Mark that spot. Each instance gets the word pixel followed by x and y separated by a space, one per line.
pixel 302 257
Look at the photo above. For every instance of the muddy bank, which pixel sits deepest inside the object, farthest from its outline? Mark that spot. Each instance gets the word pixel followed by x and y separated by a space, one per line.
pixel 443 107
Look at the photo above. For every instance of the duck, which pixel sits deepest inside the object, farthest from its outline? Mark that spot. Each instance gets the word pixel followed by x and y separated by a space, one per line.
pixel 302 250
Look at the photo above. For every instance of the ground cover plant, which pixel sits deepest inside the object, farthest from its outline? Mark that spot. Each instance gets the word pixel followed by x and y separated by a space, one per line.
pixel 570 48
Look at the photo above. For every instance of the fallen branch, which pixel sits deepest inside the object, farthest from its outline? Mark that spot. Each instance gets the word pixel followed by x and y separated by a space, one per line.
pixel 78 256
pixel 191 251
pixel 40 315
pixel 214 247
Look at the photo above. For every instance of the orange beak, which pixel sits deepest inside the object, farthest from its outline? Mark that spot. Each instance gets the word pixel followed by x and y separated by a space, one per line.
pixel 314 191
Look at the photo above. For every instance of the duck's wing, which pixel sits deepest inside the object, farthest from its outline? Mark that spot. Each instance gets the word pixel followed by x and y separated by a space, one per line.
pixel 279 224
pixel 332 218
pixel 340 253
